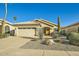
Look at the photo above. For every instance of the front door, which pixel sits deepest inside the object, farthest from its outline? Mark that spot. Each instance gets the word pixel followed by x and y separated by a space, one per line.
pixel 7 29
pixel 47 31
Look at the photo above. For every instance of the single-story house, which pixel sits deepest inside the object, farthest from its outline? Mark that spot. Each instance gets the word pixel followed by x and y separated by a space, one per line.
pixel 72 28
pixel 30 28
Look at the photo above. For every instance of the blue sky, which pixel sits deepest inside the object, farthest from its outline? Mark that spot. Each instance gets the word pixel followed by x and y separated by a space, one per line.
pixel 69 13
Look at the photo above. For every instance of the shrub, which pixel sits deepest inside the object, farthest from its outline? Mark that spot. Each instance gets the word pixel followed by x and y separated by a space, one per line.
pixel 54 35
pixel 4 35
pixel 73 38
pixel 67 35
pixel 57 40
pixel 63 32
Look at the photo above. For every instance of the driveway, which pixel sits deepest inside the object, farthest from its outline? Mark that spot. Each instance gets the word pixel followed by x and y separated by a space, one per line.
pixel 12 43
pixel 17 46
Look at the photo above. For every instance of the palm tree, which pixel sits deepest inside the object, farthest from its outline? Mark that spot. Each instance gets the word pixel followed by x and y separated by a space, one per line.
pixel 14 22
pixel 5 11
pixel 58 23
pixel 5 16
pixel 14 19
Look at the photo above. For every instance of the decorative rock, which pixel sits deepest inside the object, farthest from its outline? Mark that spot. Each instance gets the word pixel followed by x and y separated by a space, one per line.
pixel 51 42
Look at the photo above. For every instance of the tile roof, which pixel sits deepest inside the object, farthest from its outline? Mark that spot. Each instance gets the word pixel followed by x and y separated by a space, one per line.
pixel 74 24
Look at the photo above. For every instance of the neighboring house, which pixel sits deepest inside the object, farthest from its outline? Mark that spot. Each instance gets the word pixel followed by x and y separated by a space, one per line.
pixel 28 29
pixel 72 28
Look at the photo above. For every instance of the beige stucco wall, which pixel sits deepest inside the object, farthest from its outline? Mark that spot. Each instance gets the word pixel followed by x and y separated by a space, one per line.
pixel 28 32
pixel 7 24
pixel 51 28
pixel 11 27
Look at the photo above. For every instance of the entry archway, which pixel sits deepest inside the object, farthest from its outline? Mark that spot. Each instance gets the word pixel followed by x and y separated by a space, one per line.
pixel 46 31
pixel 7 29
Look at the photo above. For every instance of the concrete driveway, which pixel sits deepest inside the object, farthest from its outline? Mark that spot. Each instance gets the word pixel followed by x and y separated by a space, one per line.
pixel 17 46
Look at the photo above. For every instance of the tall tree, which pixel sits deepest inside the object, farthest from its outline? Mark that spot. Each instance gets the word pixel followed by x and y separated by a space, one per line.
pixel 14 19
pixel 15 28
pixel 5 16
pixel 5 11
pixel 58 23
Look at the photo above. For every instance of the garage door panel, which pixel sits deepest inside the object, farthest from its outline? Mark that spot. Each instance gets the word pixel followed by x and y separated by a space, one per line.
pixel 26 32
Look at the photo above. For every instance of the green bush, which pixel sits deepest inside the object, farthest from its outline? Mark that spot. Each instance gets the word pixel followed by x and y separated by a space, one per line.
pixel 4 35
pixel 68 35
pixel 54 35
pixel 57 40
pixel 65 33
pixel 73 38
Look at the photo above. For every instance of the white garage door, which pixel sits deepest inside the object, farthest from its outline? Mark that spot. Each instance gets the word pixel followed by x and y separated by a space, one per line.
pixel 26 32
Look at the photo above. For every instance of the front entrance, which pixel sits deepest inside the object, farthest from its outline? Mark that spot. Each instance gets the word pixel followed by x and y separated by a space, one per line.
pixel 46 31
pixel 7 30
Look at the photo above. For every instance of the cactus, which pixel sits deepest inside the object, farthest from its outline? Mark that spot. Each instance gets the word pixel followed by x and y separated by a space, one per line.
pixel 58 23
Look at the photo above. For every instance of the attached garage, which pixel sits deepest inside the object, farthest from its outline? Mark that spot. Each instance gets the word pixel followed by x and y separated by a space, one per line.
pixel 26 32
pixel 31 29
